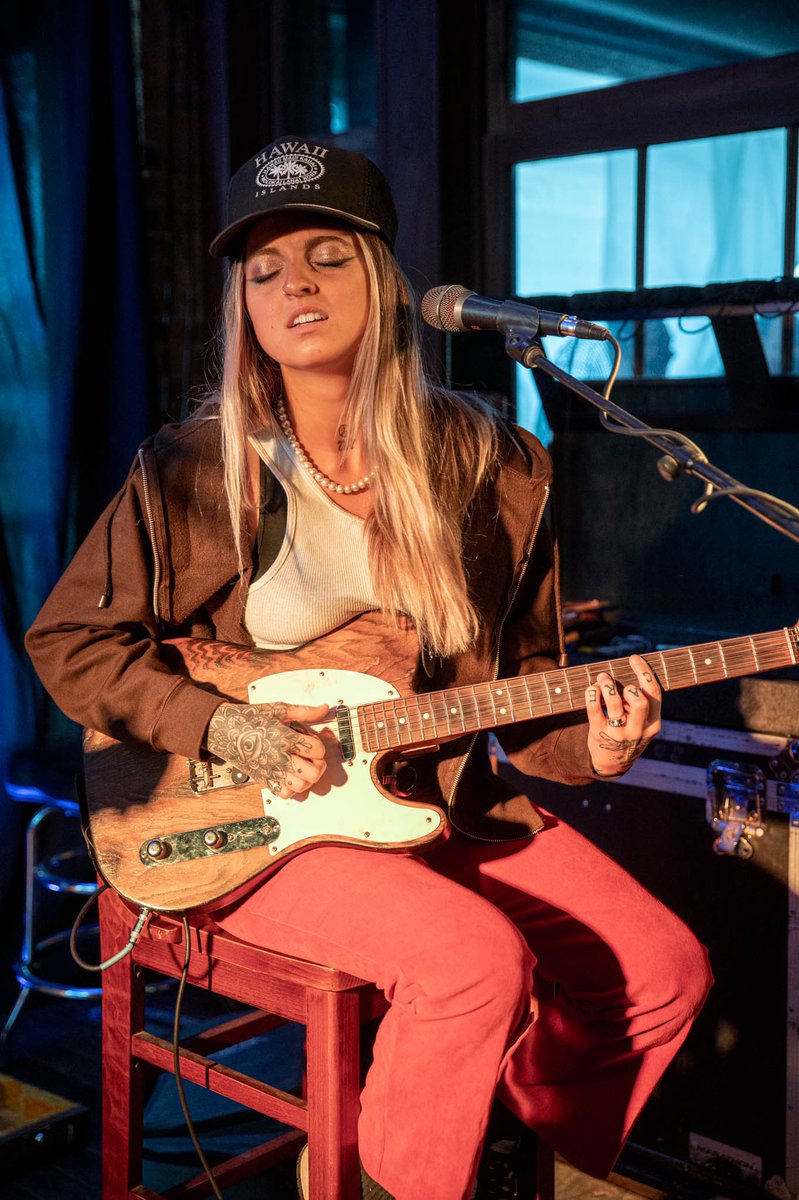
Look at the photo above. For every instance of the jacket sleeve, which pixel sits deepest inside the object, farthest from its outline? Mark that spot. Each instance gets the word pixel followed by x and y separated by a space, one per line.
pixel 95 643
pixel 547 747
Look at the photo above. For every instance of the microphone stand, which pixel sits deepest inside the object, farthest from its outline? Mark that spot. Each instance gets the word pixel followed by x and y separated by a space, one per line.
pixel 680 453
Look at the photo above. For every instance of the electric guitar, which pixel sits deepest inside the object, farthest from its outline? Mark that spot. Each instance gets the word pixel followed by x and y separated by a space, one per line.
pixel 174 834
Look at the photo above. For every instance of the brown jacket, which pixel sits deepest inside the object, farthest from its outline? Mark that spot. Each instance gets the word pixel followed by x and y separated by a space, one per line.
pixel 160 562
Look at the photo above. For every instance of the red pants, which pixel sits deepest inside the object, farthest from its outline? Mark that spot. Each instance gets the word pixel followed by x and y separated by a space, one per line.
pixel 453 939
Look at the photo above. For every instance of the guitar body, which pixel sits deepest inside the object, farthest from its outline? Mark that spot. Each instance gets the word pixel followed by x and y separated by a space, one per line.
pixel 175 835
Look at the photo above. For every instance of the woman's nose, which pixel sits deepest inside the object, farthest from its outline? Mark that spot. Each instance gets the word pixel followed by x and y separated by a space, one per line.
pixel 298 279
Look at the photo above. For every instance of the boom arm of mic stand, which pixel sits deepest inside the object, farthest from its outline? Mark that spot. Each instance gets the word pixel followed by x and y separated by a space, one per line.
pixel 777 513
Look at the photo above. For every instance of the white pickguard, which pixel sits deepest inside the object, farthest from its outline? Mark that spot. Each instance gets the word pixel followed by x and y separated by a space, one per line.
pixel 345 803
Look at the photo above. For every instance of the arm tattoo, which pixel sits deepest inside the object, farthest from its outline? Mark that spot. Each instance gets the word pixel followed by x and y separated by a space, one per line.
pixel 254 737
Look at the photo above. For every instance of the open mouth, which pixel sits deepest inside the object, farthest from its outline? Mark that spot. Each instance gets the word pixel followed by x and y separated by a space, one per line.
pixel 307 318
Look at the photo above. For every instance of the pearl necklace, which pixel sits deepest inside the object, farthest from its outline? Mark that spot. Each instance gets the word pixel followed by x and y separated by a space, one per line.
pixel 305 460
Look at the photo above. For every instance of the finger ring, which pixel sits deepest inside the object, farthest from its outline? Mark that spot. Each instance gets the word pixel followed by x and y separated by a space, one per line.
pixel 616 722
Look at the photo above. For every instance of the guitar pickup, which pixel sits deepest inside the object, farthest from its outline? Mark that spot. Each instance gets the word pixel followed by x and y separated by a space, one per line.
pixel 208 775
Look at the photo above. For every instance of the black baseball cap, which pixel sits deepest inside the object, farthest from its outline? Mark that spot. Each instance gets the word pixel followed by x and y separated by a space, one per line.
pixel 294 173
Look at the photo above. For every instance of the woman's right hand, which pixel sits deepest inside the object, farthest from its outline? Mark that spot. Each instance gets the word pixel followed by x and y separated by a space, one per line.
pixel 271 743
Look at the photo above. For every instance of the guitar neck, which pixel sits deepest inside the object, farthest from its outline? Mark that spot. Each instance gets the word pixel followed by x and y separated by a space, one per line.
pixel 438 716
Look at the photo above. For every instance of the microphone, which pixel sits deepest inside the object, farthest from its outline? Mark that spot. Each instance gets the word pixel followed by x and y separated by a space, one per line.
pixel 454 309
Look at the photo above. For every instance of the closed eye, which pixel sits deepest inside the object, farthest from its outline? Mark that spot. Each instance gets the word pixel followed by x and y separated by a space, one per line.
pixel 333 262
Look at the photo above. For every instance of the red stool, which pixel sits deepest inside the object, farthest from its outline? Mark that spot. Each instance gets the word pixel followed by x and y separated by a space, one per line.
pixel 330 1004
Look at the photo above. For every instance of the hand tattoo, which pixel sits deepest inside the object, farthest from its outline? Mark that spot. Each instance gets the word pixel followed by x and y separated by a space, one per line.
pixel 255 738
pixel 627 749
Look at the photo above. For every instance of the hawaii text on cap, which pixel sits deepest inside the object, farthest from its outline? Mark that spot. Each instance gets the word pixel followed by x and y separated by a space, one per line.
pixel 293 174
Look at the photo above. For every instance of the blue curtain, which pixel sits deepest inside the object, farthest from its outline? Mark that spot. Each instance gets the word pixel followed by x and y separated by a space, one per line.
pixel 74 400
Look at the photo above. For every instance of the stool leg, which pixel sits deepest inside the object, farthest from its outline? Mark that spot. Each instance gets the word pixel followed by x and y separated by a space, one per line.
pixel 123 1077
pixel 333 1082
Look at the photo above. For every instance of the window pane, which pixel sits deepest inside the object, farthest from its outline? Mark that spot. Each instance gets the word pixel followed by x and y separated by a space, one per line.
pixel 681 348
pixel 575 223
pixel 715 209
pixel 561 46
pixel 574 232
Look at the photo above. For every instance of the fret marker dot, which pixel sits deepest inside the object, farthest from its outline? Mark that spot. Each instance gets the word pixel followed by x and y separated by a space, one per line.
pixel 558 691
pixel 708 661
pixel 453 711
pixel 379 724
pixel 499 691
pixel 502 712
pixel 426 716
pixel 402 720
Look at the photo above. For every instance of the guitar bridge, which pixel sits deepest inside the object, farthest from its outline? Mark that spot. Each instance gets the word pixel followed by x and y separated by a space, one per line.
pixel 207 775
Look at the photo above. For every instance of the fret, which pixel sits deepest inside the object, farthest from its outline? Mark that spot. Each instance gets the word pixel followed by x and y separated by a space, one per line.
pixel 754 653
pixel 381 736
pixel 693 664
pixel 563 701
pixel 545 682
pixel 460 707
pixel 520 690
pixel 366 723
pixel 707 668
pixel 440 717
pixel 449 710
pixel 722 658
pixel 587 679
pixel 665 669
pixel 792 645
pixel 425 714
pixel 470 708
pixel 403 719
pixel 569 697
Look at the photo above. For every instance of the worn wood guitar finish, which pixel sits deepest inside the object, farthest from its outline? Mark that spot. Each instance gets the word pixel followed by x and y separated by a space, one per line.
pixel 174 834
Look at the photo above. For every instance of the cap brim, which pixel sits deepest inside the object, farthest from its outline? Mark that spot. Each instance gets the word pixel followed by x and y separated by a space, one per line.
pixel 221 245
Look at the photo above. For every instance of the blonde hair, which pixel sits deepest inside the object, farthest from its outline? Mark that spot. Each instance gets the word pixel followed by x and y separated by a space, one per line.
pixel 429 448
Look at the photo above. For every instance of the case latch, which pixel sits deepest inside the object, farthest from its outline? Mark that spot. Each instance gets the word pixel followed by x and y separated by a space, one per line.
pixel 735 797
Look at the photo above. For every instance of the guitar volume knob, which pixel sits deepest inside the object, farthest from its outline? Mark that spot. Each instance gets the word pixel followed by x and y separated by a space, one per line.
pixel 214 839
pixel 158 849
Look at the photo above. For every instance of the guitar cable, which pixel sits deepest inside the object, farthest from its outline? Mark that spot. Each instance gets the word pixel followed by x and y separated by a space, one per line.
pixel 135 934
pixel 176 1061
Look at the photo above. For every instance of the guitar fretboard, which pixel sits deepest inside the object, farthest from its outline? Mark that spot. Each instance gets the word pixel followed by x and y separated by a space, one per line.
pixel 437 716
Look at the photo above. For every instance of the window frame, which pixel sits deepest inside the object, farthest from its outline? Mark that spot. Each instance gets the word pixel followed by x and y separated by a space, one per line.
pixel 739 98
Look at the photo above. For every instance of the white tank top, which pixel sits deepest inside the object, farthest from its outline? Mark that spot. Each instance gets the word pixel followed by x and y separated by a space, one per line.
pixel 320 577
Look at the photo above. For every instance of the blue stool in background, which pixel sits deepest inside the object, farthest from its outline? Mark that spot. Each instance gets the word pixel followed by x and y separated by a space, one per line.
pixel 56 862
